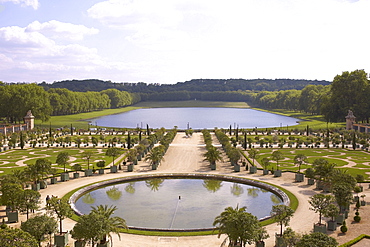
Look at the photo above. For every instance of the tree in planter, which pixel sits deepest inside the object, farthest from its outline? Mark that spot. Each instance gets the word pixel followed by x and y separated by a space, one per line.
pixel 61 208
pixel 240 226
pixel 100 164
pixel 155 155
pixel 282 215
pixel 265 163
pixel 24 239
pixel 344 228
pixel 109 223
pixel 291 237
pixel 343 195
pixel 299 159
pixel 11 195
pixel 212 155
pixel 62 159
pixel 38 171
pixel 319 204
pixel 113 152
pixel 29 201
pixel 234 155
pixel 87 154
pixel 39 227
pixel 331 211
pixel 253 154
pixel 76 167
pixel 317 239
pixel 276 156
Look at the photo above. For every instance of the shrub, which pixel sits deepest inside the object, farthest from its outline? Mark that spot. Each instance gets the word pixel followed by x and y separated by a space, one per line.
pixel 344 228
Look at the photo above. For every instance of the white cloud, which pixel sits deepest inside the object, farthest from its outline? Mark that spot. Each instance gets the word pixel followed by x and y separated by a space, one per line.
pixel 57 29
pixel 24 3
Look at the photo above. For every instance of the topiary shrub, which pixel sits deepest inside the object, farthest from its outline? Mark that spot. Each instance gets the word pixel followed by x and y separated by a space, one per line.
pixel 357 218
pixel 344 228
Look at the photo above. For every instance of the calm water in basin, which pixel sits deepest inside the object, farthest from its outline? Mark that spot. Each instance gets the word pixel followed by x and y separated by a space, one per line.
pixel 195 117
pixel 178 203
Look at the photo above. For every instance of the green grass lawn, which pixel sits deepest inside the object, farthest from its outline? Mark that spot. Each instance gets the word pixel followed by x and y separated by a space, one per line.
pixel 340 157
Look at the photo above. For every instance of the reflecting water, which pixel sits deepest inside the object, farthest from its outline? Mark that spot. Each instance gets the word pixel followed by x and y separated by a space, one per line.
pixel 178 203
pixel 197 117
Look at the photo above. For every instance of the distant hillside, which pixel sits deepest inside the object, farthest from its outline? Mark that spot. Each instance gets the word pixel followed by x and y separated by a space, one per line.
pixel 200 85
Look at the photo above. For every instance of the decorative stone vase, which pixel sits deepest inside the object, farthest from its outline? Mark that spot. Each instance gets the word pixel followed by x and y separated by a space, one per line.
pixel 299 177
pixel 12 216
pixel 61 240
pixel 113 169
pixel 236 168
pixel 53 180
pixel 265 172
pixel 130 167
pixel 310 181
pixel 319 228
pixel 88 172
pixel 253 169
pixel 76 175
pixel 277 173
pixel 64 177
pixel 101 171
pixel 332 225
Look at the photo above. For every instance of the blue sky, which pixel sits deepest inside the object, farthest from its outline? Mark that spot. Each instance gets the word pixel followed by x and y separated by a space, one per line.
pixel 169 41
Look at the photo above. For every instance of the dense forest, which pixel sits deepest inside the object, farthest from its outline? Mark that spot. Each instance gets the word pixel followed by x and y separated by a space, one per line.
pixel 201 85
pixel 348 91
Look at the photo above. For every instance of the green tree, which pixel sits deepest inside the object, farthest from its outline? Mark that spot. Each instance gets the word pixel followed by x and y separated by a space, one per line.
pixel 38 171
pixel 212 155
pixel 87 154
pixel 253 153
pixel 24 239
pixel 11 195
pixel 317 239
pixel 155 155
pixel 113 152
pixel 39 227
pixel 61 208
pixel 110 223
pixel 282 215
pixel 240 226
pixel 276 156
pixel 29 201
pixel 62 159
pixel 343 195
pixel 319 203
pixel 265 162
pixel 299 159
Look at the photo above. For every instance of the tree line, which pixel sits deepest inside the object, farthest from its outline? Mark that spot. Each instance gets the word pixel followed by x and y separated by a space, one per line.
pixel 202 85
pixel 17 99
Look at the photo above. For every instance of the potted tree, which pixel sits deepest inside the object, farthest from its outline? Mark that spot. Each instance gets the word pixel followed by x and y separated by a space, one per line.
pixel 76 168
pixel 319 204
pixel 282 215
pixel 331 211
pixel 277 155
pixel 62 209
pixel 212 156
pixel 54 179
pixel 62 160
pixel 11 194
pixel 265 163
pixel 113 152
pixel 131 157
pixel 299 159
pixel 155 156
pixel 310 174
pixel 253 154
pixel 260 235
pixel 101 165
pixel 87 156
pixel 363 203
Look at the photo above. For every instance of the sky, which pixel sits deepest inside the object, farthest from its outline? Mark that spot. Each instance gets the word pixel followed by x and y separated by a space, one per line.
pixel 170 41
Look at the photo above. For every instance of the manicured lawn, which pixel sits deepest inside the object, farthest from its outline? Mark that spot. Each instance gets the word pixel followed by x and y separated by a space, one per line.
pixel 340 157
